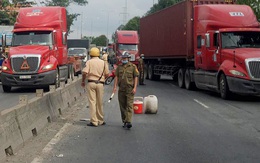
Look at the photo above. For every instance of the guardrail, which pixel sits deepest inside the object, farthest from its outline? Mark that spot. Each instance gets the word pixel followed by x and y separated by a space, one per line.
pixel 22 122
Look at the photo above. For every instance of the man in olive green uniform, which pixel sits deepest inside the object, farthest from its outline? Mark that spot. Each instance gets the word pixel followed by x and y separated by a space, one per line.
pixel 96 71
pixel 126 78
pixel 141 69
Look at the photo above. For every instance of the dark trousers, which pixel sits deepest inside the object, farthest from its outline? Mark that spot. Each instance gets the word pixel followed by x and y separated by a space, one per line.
pixel 141 77
pixel 126 101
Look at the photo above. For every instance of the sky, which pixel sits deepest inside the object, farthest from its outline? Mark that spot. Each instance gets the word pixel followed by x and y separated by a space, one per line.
pixel 102 17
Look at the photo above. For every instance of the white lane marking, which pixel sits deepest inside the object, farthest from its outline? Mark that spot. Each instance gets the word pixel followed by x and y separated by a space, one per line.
pixel 205 106
pixel 50 145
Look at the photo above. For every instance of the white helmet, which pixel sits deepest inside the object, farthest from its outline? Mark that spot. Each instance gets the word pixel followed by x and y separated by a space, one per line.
pixel 126 54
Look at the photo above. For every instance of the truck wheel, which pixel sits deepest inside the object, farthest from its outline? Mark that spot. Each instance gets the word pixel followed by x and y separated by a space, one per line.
pixel 181 78
pixel 72 74
pixel 151 74
pixel 223 87
pixel 188 84
pixel 6 88
pixel 57 80
pixel 146 71
pixel 109 80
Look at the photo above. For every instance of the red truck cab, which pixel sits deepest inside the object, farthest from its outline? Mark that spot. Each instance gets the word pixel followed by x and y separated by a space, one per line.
pixel 38 54
pixel 127 41
pixel 228 42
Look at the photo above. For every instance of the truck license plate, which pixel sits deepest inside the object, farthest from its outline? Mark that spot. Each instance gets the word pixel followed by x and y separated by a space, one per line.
pixel 25 77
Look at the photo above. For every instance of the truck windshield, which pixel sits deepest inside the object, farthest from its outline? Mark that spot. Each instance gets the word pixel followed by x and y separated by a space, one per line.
pixel 77 52
pixel 240 40
pixel 130 47
pixel 32 38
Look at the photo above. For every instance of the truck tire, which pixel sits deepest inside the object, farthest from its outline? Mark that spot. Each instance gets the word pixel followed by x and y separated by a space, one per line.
pixel 151 74
pixel 146 71
pixel 6 88
pixel 181 78
pixel 57 79
pixel 72 74
pixel 223 87
pixel 189 85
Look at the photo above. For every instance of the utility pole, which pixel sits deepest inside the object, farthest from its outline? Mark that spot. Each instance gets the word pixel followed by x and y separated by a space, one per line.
pixel 81 26
pixel 107 28
pixel 125 13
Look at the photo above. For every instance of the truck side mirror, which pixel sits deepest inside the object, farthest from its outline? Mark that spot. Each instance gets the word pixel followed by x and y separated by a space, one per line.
pixel 4 55
pixel 207 40
pixel 3 41
pixel 64 38
pixel 54 37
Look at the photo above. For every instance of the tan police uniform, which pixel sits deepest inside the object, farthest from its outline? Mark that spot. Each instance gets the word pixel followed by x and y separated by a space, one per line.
pixel 105 58
pixel 95 91
pixel 126 77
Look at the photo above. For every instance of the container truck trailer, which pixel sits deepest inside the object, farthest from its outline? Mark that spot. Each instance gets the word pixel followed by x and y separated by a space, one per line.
pixel 38 53
pixel 211 44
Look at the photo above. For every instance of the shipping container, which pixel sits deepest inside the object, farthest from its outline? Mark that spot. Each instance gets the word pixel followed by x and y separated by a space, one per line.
pixel 169 32
pixel 209 44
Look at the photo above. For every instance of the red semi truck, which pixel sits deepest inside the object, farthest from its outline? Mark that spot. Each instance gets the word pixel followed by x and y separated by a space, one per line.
pixel 38 54
pixel 127 41
pixel 211 44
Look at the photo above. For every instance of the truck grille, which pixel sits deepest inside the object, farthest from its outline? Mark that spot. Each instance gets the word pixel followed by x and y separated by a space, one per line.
pixel 32 62
pixel 253 66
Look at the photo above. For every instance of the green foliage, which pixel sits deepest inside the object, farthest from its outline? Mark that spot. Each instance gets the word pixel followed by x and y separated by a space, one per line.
pixel 70 19
pixel 132 24
pixel 100 40
pixel 254 4
pixel 90 38
pixel 161 5
pixel 7 17
pixel 4 18
pixel 4 3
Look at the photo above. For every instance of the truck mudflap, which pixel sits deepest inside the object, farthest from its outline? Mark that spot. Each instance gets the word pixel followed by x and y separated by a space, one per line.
pixel 242 86
pixel 42 79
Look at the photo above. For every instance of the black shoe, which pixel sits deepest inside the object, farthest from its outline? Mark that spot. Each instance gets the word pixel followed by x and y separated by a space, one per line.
pixel 104 123
pixel 128 125
pixel 91 124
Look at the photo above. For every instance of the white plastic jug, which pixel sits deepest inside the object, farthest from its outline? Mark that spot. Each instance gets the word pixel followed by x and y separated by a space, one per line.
pixel 150 104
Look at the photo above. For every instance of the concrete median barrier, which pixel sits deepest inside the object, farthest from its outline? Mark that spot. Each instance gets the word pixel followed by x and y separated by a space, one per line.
pixel 20 123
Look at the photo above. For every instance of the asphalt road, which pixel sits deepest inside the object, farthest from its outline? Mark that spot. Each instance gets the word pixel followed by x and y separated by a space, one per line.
pixel 11 99
pixel 190 126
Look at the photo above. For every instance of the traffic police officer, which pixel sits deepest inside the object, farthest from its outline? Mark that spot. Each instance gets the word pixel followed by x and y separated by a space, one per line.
pixel 105 57
pixel 141 69
pixel 96 71
pixel 126 78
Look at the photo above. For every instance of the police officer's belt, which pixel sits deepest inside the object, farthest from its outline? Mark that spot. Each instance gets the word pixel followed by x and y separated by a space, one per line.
pixel 96 81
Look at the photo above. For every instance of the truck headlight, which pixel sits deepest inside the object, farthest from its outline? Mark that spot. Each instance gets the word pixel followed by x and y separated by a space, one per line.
pixel 47 67
pixel 5 68
pixel 237 73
